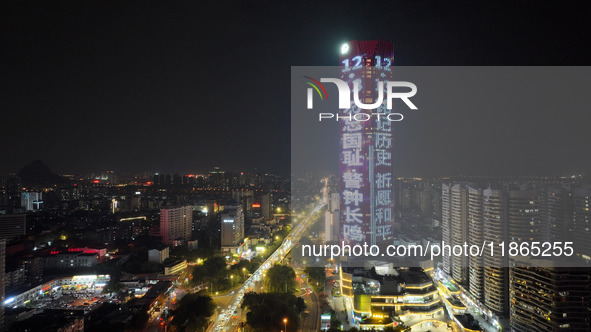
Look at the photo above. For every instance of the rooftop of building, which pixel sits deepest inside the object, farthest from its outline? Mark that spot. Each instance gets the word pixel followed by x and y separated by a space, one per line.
pixel 159 288
pixel 468 322
pixel 397 281
pixel 171 262
pixel 174 207
pixel 158 246
pixel 414 276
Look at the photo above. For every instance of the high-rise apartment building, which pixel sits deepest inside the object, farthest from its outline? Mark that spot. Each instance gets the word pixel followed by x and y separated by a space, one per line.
pixel 455 228
pixel 549 298
pixel 468 213
pixel 176 223
pixel 496 273
pixel 31 201
pixel 520 213
pixel 232 230
pixel 446 224
pixel 267 206
pixel 331 218
pixel 245 199
pixel 558 211
pixel 12 226
pixel 581 220
pixel 475 237
pixel 459 231
pixel 525 215
pixel 499 215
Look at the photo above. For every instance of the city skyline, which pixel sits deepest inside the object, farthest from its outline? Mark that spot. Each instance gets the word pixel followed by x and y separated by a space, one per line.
pixel 259 166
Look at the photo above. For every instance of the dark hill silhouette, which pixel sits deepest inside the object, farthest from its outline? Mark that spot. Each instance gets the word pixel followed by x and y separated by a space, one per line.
pixel 39 174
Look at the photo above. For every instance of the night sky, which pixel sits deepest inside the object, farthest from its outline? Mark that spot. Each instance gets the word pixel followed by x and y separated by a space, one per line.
pixel 140 85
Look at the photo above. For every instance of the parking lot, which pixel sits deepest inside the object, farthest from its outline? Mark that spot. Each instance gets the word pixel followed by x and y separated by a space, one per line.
pixel 74 298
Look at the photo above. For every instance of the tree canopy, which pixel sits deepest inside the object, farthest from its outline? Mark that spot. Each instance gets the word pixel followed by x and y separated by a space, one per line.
pixel 280 279
pixel 193 312
pixel 317 276
pixel 267 311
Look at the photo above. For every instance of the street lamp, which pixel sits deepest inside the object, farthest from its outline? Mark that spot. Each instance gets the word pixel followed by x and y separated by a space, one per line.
pixel 285 323
pixel 232 279
pixel 243 274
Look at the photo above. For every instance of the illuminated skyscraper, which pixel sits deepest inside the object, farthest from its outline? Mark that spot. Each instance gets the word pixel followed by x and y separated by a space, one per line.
pixel 366 177
pixel 176 224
